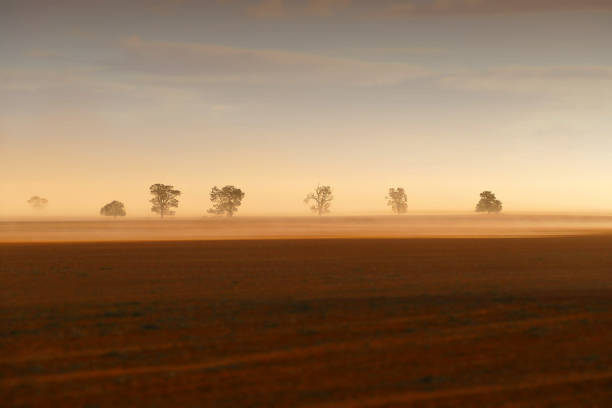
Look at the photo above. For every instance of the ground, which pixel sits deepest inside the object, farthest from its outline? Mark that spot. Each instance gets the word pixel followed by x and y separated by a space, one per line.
pixel 318 323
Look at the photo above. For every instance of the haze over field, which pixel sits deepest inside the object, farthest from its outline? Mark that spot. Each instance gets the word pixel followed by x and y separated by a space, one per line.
pixel 428 226
pixel 99 100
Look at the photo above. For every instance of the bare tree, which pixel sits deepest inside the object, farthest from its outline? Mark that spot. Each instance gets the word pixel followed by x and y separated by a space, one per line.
pixel 488 203
pixel 225 200
pixel 113 209
pixel 321 198
pixel 164 198
pixel 398 200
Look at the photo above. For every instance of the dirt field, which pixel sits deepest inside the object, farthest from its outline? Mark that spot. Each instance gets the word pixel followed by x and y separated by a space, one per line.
pixel 315 323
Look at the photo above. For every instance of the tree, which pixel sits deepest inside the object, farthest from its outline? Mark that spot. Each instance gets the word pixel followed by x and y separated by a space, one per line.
pixel 113 209
pixel 38 203
pixel 225 200
pixel 164 198
pixel 321 197
pixel 397 200
pixel 488 203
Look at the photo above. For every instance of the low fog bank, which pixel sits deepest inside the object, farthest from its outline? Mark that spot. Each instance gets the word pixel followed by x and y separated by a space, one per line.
pixel 305 227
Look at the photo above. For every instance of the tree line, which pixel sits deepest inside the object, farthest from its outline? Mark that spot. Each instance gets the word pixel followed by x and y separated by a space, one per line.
pixel 227 200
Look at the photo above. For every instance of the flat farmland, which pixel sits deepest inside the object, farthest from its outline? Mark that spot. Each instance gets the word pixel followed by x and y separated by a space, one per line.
pixel 435 322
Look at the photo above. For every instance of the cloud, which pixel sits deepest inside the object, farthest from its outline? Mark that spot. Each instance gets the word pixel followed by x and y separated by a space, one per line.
pixel 42 53
pixel 274 9
pixel 166 7
pixel 92 87
pixel 284 8
pixel 411 8
pixel 210 62
pixel 326 8
pixel 268 9
pixel 402 51
pixel 399 8
pixel 590 85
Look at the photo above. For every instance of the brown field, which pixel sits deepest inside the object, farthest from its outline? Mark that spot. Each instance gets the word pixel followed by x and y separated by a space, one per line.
pixel 511 322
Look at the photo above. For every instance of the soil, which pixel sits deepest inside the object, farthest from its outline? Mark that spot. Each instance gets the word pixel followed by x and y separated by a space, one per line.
pixel 431 322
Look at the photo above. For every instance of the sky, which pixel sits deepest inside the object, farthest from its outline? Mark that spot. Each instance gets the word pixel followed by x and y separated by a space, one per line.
pixel 446 98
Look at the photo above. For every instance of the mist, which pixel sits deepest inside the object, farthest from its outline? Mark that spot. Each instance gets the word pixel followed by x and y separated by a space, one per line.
pixel 245 227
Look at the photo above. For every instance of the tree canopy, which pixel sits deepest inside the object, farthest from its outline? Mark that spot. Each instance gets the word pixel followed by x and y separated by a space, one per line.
pixel 225 200
pixel 113 209
pixel 398 200
pixel 38 203
pixel 164 198
pixel 321 199
pixel 488 203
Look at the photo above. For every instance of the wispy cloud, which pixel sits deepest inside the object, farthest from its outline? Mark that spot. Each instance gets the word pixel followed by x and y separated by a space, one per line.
pixel 586 85
pixel 43 53
pixel 398 8
pixel 268 8
pixel 274 9
pixel 411 8
pixel 402 51
pixel 167 7
pixel 210 62
pixel 283 8
pixel 189 73
pixel 327 8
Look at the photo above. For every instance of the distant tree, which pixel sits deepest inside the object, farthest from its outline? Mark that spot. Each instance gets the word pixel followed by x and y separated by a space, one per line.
pixel 113 209
pixel 397 200
pixel 164 198
pixel 321 198
pixel 225 200
pixel 38 203
pixel 488 203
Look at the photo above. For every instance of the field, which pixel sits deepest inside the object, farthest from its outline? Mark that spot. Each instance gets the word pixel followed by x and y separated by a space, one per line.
pixel 520 321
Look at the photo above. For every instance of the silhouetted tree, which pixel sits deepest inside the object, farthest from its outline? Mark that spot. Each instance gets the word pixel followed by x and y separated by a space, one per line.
pixel 113 209
pixel 397 200
pixel 488 203
pixel 38 203
pixel 321 197
pixel 164 198
pixel 225 200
